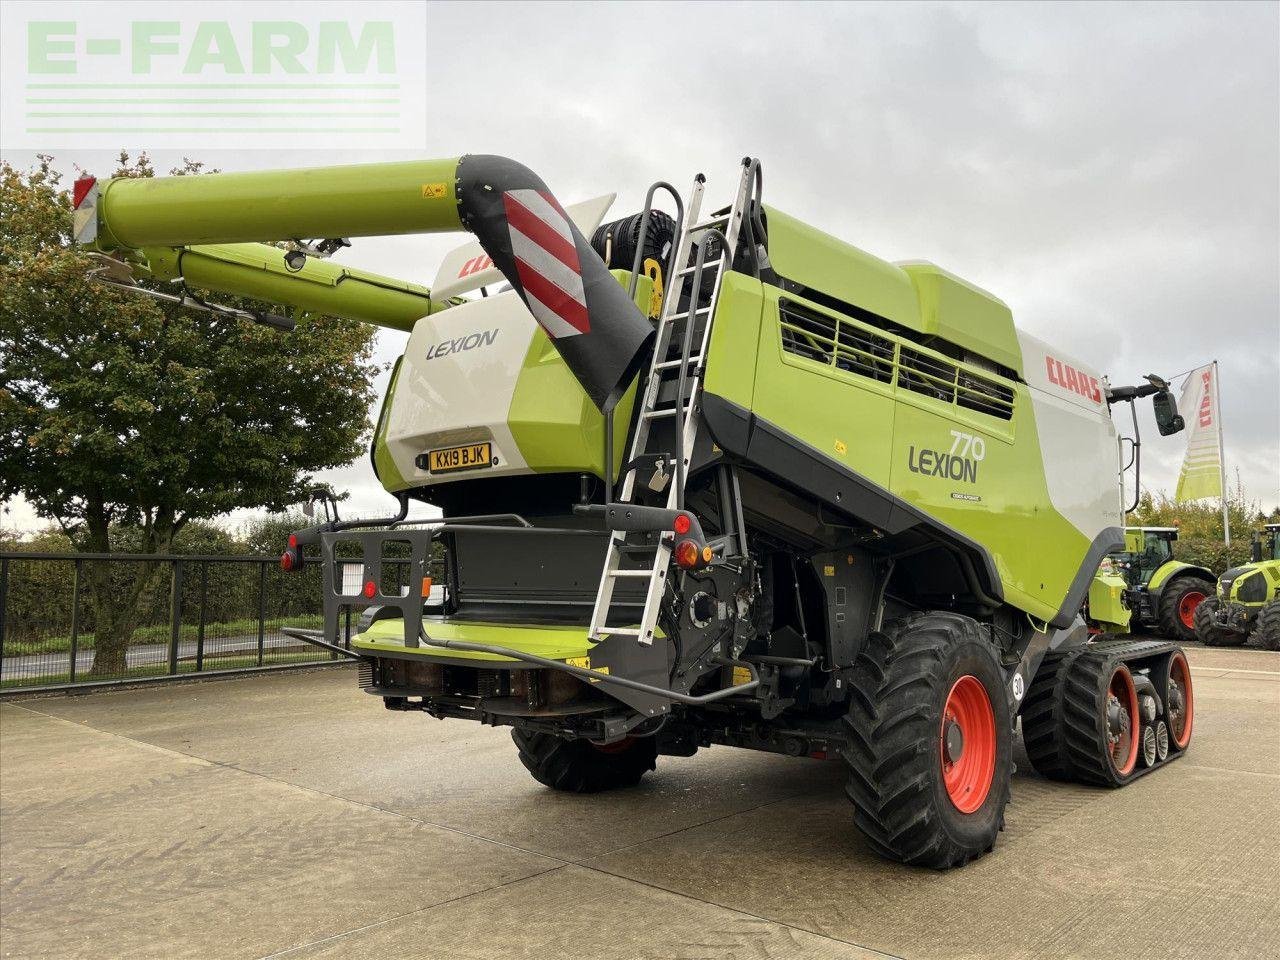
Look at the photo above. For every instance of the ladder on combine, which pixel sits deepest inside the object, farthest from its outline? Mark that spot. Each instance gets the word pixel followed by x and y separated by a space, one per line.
pixel 672 390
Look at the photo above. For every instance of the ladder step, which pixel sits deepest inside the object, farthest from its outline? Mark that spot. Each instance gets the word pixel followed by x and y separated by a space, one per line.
pixel 685 313
pixel 669 412
pixel 620 631
pixel 714 221
pixel 632 573
pixel 668 364
pixel 715 264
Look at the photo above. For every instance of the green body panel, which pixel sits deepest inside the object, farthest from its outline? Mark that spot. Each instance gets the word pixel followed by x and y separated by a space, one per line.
pixel 917 295
pixel 1167 571
pixel 258 271
pixel 384 464
pixel 808 256
pixel 1106 603
pixel 357 200
pixel 1133 541
pixel 552 642
pixel 959 312
pixel 1268 569
pixel 877 429
pixel 556 426
pixel 735 339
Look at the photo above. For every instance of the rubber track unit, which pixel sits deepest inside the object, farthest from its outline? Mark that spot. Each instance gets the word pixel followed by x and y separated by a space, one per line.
pixel 901 677
pixel 1063 718
pixel 578 766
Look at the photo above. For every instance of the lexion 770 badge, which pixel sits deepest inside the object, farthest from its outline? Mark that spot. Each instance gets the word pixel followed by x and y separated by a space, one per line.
pixel 304 74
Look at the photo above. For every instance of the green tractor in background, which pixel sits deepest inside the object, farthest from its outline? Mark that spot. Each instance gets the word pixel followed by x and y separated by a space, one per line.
pixel 1162 593
pixel 1248 599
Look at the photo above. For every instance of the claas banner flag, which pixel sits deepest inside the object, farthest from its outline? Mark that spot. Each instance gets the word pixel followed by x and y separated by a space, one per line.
pixel 1202 469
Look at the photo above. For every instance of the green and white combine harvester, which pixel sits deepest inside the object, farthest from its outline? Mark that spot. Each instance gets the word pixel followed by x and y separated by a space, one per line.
pixel 716 478
pixel 1247 601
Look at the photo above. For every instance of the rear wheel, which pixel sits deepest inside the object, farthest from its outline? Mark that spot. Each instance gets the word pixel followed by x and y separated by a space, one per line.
pixel 1209 633
pixel 1178 603
pixel 929 741
pixel 579 766
pixel 1268 628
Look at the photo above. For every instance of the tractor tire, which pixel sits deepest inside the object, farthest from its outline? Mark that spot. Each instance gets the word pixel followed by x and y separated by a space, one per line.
pixel 1101 727
pixel 1178 603
pixel 1041 723
pixel 929 741
pixel 579 766
pixel 1211 635
pixel 1267 631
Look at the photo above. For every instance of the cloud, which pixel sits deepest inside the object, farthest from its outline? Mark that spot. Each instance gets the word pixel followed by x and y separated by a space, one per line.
pixel 1108 170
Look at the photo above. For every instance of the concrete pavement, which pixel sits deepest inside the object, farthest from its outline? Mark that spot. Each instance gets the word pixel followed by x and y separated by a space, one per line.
pixel 291 816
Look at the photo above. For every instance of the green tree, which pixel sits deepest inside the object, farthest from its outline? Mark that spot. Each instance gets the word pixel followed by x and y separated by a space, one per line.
pixel 125 419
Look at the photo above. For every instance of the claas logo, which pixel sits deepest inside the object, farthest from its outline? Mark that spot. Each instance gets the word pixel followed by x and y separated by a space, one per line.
pixel 475 265
pixel 1206 404
pixel 1069 378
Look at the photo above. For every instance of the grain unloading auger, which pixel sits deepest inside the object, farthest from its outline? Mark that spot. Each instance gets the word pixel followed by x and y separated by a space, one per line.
pixel 741 483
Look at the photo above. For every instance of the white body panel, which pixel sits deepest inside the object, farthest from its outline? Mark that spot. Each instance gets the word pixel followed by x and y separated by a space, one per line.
pixel 468 267
pixel 456 382
pixel 1077 437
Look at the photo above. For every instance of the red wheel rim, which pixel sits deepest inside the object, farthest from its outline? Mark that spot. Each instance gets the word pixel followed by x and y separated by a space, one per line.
pixel 1187 608
pixel 1122 730
pixel 1181 715
pixel 618 746
pixel 967 772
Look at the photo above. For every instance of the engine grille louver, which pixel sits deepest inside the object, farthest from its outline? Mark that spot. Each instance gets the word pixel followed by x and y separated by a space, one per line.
pixel 849 346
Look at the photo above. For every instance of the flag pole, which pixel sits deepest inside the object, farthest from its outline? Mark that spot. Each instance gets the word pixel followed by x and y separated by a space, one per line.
pixel 1222 460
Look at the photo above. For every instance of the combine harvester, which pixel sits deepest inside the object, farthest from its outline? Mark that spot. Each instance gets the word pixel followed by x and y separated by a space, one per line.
pixel 740 483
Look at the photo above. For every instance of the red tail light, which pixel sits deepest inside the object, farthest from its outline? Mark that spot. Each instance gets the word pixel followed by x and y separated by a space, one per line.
pixel 687 554
pixel 286 561
pixel 682 524
pixel 370 588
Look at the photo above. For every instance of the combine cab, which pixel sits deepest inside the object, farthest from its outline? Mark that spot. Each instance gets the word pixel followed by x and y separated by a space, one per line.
pixel 715 478
pixel 1247 602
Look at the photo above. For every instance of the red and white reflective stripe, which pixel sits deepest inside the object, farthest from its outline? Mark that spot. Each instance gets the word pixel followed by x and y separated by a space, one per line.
pixel 547 262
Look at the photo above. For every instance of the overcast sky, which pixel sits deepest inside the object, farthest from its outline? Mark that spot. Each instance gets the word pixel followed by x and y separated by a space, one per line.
pixel 1110 171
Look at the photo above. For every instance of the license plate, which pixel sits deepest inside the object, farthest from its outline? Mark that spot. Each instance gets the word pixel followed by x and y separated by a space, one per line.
pixel 467 457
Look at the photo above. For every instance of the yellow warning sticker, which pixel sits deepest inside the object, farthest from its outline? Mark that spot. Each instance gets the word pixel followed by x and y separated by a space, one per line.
pixel 829 570
pixel 841 448
pixel 741 675
pixel 435 191
pixel 585 664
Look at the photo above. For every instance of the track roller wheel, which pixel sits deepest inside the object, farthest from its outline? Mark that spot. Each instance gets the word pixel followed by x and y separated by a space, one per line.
pixel 1150 753
pixel 1178 603
pixel 929 746
pixel 579 766
pixel 1100 722
pixel 1180 704
pixel 1162 740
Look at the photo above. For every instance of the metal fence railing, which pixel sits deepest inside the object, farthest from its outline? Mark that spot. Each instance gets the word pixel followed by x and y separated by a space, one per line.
pixel 63 617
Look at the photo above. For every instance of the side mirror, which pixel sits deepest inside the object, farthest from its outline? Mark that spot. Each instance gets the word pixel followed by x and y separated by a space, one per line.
pixel 1168 421
pixel 1255 548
